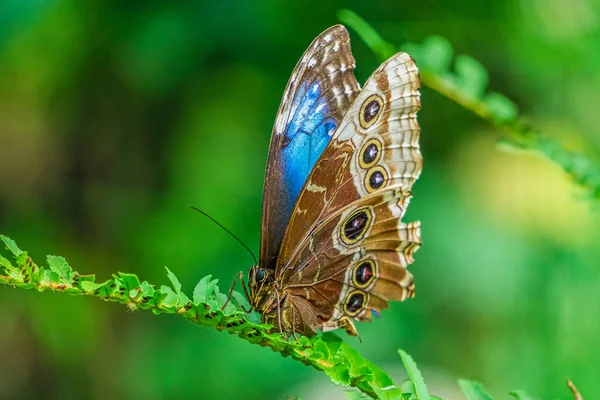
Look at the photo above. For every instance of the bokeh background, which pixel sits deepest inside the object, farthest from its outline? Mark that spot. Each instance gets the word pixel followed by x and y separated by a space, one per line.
pixel 115 115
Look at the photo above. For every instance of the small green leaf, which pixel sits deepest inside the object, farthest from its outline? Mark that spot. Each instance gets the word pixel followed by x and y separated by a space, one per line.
pixel 472 76
pixel 240 299
pixel 5 263
pixel 434 54
pixel 415 376
pixel 521 395
pixel 11 245
pixel 174 281
pixel 129 281
pixel 473 390
pixel 221 299
pixel 61 267
pixel 146 289
pixel 201 291
pixel 88 286
pixel 182 299
pixel 501 107
pixel 387 392
pixel 51 277
pixel 84 278
pixel 168 297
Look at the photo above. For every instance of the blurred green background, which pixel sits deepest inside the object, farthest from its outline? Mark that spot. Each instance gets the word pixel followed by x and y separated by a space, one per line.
pixel 114 115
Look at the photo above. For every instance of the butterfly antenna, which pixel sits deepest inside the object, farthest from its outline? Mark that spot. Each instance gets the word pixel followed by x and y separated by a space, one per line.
pixel 228 231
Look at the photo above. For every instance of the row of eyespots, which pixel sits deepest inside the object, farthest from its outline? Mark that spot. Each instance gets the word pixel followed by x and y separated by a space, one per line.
pixel 355 302
pixel 356 225
pixel 370 111
pixel 370 153
pixel 364 273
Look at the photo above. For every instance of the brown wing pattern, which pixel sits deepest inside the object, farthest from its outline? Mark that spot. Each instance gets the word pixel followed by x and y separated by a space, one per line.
pixel 363 156
pixel 329 62
pixel 355 262
pixel 355 249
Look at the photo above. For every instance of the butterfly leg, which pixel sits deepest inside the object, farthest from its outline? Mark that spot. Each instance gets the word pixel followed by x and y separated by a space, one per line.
pixel 279 314
pixel 240 275
pixel 294 324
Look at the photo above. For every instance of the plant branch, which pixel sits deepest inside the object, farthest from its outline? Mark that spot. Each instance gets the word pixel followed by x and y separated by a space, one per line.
pixel 327 353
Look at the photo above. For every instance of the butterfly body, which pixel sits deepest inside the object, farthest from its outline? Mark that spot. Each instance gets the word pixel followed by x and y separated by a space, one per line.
pixel 341 166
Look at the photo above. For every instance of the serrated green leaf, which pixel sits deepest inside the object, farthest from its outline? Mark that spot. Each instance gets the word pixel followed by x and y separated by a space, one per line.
pixel 359 367
pixel 129 281
pixel 11 245
pixel 434 54
pixel 5 263
pixel 321 349
pixel 221 299
pixel 61 267
pixel 168 297
pixel 339 374
pixel 415 376
pixel 501 107
pixel 241 300
pixel 89 286
pixel 51 276
pixel 333 341
pixel 387 392
pixel 106 289
pixel 12 271
pixel 521 395
pixel 21 259
pixel 473 390
pixel 472 76
pixel 201 290
pixel 85 278
pixel 174 281
pixel 183 300
pixel 146 292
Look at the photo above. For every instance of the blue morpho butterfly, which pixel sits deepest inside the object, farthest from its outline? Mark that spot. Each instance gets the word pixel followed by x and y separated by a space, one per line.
pixel 341 165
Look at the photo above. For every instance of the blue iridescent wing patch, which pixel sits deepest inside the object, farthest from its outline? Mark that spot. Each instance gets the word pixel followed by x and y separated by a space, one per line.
pixel 306 136
pixel 319 92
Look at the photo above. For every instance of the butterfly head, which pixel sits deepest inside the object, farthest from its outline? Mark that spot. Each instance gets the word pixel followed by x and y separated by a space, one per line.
pixel 260 281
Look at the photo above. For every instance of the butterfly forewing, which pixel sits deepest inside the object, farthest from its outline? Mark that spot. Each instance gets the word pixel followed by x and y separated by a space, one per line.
pixel 318 95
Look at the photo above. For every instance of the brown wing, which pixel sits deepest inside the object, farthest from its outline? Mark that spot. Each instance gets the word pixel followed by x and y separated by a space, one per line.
pixel 355 262
pixel 372 160
pixel 318 94
pixel 368 152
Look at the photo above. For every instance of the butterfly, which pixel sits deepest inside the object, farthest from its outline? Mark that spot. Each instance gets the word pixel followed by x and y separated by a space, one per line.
pixel 341 165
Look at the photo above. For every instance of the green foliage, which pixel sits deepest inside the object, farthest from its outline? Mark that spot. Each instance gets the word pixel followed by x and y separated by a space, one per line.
pixel 328 353
pixel 344 365
pixel 414 375
pixel 473 390
pixel 464 80
pixel 521 395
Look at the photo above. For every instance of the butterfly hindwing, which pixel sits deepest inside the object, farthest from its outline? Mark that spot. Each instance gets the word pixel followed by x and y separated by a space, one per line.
pixel 345 250
pixel 318 95
pixel 356 261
